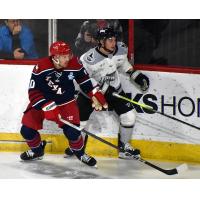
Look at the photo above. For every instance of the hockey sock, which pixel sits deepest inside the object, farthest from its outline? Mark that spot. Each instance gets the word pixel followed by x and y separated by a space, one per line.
pixel 75 138
pixel 77 146
pixel 125 134
pixel 32 138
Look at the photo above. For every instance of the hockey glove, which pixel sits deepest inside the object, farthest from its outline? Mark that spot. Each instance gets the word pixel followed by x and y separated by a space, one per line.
pixel 51 111
pixel 140 79
pixel 98 99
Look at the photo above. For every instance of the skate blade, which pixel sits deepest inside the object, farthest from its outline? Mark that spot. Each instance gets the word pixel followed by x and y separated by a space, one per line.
pixel 127 157
pixel 35 159
pixel 91 167
pixel 68 156
pixel 95 166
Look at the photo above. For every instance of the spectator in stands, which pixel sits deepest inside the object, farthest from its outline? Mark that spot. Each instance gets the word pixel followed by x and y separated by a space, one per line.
pixel 16 41
pixel 86 36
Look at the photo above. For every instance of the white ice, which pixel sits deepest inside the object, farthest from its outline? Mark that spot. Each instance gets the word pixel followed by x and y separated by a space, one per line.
pixel 56 166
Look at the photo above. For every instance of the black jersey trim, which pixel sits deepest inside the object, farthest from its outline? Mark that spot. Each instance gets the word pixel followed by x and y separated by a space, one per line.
pixel 97 49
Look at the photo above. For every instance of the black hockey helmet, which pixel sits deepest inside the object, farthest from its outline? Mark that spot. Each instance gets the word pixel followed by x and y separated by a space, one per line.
pixel 105 33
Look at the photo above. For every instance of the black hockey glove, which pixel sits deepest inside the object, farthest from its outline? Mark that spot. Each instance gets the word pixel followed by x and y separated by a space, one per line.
pixel 140 79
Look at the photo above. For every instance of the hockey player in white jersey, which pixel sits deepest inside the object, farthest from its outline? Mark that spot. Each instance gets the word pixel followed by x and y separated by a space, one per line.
pixel 102 63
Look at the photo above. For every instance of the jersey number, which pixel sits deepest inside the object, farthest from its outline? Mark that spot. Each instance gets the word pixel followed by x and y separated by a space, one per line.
pixel 31 84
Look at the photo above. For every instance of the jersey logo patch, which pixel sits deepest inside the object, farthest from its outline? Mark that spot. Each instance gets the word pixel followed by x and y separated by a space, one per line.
pixel 58 75
pixel 90 57
pixel 71 76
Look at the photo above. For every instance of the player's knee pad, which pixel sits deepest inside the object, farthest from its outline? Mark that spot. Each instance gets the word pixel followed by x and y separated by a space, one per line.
pixel 28 133
pixel 71 133
pixel 128 119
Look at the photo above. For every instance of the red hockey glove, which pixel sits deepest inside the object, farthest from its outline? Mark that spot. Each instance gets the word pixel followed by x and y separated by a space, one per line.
pixel 51 111
pixel 98 99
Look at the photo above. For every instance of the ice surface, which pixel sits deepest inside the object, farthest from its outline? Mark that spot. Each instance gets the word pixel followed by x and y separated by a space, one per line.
pixel 56 166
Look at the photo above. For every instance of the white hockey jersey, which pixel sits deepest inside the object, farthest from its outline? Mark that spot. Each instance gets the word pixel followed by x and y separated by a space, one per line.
pixel 101 67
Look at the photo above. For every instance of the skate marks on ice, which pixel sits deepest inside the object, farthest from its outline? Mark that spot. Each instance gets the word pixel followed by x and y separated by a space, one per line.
pixel 55 166
pixel 107 168
pixel 52 166
pixel 53 170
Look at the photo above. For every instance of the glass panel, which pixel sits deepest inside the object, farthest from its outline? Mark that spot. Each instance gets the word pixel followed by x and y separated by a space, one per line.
pixel 79 33
pixel 167 42
pixel 28 35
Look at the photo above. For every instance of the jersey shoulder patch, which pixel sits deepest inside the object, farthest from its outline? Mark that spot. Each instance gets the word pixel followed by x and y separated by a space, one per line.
pixel 91 57
pixel 43 64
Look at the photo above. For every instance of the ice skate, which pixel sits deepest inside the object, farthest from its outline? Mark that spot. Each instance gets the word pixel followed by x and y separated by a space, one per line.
pixel 30 155
pixel 127 151
pixel 88 160
pixel 68 153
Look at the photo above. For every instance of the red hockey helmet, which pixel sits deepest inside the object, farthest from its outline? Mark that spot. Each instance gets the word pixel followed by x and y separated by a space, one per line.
pixel 59 48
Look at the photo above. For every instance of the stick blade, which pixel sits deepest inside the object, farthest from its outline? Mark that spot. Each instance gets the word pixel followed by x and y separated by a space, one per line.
pixel 182 168
pixel 177 170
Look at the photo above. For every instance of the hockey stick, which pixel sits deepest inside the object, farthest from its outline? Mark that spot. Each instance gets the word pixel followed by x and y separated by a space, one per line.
pixel 151 109
pixel 19 141
pixel 173 171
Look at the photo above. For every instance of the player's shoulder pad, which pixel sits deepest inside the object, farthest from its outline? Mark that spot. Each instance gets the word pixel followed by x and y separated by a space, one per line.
pixel 91 57
pixel 75 64
pixel 43 65
pixel 122 48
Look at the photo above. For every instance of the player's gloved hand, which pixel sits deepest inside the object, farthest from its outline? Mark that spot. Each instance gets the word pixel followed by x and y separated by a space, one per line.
pixel 98 99
pixel 51 111
pixel 140 79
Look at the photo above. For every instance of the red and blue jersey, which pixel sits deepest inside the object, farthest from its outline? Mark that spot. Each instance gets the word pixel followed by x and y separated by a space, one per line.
pixel 49 84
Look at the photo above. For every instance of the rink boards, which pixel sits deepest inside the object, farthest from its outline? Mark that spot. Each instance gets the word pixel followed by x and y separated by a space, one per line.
pixel 173 92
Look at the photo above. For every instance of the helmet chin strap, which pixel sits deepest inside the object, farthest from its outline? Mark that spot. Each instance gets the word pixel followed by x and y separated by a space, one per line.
pixel 56 61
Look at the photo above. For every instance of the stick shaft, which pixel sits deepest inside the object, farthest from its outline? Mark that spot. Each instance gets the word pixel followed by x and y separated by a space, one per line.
pixel 165 171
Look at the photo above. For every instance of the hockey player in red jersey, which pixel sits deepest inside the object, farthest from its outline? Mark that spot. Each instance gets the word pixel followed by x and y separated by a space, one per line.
pixel 51 93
